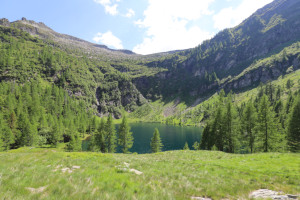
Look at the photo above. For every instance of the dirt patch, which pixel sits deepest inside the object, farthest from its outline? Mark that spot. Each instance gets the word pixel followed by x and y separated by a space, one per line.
pixel 66 169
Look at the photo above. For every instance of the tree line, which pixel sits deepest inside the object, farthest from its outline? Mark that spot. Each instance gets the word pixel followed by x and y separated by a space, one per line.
pixel 262 124
pixel 33 114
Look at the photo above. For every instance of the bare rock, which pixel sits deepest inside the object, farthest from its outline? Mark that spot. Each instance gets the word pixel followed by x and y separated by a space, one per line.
pixel 200 198
pixel 136 171
pixel 270 194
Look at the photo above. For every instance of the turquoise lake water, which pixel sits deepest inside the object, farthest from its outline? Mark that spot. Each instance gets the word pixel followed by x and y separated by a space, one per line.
pixel 173 137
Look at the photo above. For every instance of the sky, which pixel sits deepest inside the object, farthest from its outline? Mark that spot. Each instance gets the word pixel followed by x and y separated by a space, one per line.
pixel 143 26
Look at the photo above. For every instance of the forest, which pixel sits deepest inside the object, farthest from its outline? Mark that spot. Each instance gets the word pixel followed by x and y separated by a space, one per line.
pixel 262 124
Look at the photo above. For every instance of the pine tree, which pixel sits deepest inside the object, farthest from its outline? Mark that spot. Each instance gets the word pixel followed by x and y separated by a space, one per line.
pixel 186 146
pixel 248 125
pixel 8 137
pixel 229 127
pixel 125 136
pixel 110 135
pixel 156 144
pixel 217 135
pixel 206 137
pixel 100 137
pixel 293 135
pixel 74 143
pixel 196 145
pixel 266 124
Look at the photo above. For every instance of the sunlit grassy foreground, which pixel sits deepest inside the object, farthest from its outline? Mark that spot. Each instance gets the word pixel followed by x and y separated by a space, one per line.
pixel 38 174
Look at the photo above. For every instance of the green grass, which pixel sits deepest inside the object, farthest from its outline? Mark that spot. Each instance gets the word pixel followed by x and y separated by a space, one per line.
pixel 167 175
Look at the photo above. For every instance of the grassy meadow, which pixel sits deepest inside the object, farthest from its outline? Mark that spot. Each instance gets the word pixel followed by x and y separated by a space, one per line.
pixel 45 173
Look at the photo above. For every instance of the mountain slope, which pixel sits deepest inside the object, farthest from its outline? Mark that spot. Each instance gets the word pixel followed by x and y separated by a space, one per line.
pixel 260 49
pixel 200 70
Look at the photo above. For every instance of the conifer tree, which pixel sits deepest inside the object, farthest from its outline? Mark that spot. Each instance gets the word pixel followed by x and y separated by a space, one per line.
pixel 125 136
pixel 110 135
pixel 266 124
pixel 229 127
pixel 100 139
pixel 196 145
pixel 217 135
pixel 156 144
pixel 206 139
pixel 293 135
pixel 186 146
pixel 74 143
pixel 248 125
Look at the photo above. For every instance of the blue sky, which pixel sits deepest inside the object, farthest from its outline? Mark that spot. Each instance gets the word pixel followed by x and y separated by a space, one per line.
pixel 144 26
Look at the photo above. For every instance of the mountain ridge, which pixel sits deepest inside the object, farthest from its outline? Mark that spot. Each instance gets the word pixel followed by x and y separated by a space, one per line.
pixel 234 59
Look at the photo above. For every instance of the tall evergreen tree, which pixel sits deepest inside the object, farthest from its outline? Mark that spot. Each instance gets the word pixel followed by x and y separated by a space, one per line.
pixel 266 124
pixel 229 127
pixel 156 144
pixel 110 135
pixel 248 125
pixel 293 135
pixel 205 143
pixel 125 136
pixel 217 133
pixel 74 143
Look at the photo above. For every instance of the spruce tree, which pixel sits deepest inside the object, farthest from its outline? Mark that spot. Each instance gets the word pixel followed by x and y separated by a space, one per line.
pixel 248 125
pixel 229 127
pixel 186 146
pixel 156 144
pixel 100 137
pixel 206 137
pixel 217 134
pixel 196 145
pixel 8 137
pixel 110 135
pixel 266 125
pixel 74 143
pixel 293 135
pixel 125 136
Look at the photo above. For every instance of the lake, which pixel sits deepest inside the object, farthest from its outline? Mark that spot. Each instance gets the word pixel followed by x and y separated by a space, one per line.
pixel 173 137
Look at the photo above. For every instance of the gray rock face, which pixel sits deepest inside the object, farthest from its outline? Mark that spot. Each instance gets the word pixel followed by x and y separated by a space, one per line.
pixel 117 95
pixel 4 22
pixel 270 194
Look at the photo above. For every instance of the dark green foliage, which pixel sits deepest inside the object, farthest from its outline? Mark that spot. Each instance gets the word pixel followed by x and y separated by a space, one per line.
pixel 248 125
pixel 75 143
pixel 207 139
pixel 111 139
pixel 156 143
pixel 266 125
pixel 230 127
pixel 33 115
pixel 252 127
pixel 293 135
pixel 125 136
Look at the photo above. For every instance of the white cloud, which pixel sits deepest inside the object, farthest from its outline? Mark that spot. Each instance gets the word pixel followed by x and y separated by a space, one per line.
pixel 111 9
pixel 108 39
pixel 166 23
pixel 109 5
pixel 229 17
pixel 130 13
